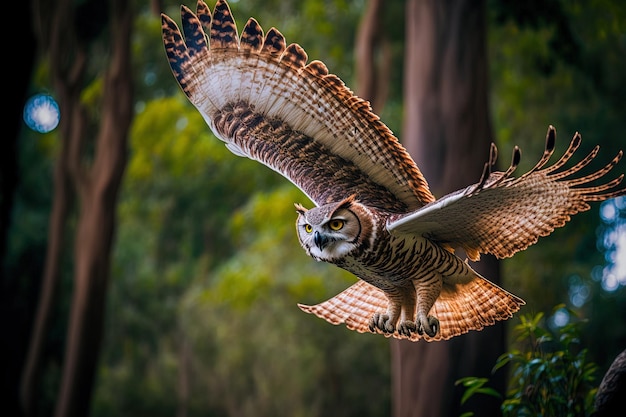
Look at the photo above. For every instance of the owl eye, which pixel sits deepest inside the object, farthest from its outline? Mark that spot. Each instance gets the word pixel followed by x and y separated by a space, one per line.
pixel 308 228
pixel 336 224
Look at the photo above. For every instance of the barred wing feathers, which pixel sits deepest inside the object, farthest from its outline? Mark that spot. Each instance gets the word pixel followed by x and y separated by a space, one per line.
pixel 461 306
pixel 262 98
pixel 502 215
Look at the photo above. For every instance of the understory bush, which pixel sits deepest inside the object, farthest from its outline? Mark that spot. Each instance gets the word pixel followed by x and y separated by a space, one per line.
pixel 549 373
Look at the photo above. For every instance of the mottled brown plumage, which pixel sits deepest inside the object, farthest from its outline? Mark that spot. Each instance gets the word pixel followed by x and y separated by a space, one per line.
pixel 375 215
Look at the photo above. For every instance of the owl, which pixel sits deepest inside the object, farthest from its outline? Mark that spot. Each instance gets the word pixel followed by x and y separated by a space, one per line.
pixel 374 214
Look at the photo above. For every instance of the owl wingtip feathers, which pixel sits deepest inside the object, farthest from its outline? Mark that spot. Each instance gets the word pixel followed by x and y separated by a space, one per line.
pixel 550 139
pixel 220 29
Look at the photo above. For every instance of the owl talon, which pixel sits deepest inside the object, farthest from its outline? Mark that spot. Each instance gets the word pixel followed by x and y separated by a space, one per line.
pixel 407 327
pixel 380 321
pixel 430 326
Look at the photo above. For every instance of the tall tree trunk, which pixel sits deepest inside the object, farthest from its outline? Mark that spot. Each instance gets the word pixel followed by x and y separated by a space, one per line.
pixel 96 186
pixel 29 393
pixel 97 191
pixel 66 80
pixel 447 130
pixel 373 57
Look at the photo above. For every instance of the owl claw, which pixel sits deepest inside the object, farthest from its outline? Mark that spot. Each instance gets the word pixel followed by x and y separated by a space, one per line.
pixel 430 326
pixel 407 327
pixel 380 321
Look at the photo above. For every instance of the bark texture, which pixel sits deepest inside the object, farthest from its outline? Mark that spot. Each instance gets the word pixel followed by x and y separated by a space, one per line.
pixel 447 130
pixel 612 389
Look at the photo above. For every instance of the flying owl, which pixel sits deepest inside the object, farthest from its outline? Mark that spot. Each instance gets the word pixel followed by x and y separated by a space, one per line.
pixel 374 214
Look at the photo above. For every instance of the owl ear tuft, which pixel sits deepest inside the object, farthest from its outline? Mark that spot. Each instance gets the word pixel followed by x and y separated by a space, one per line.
pixel 346 203
pixel 300 208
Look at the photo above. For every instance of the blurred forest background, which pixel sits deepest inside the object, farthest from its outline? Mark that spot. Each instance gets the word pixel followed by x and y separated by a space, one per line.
pixel 206 270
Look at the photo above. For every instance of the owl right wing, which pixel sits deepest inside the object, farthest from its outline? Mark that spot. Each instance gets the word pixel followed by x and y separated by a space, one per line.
pixel 266 103
pixel 502 215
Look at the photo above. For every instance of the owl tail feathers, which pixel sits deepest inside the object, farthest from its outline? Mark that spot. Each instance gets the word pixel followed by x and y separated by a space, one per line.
pixel 463 306
pixel 472 305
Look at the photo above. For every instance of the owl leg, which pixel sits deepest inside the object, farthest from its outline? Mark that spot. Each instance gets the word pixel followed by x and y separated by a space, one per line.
pixel 427 291
pixel 407 324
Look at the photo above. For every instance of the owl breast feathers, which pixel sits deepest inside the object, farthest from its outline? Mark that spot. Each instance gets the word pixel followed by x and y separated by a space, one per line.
pixel 374 214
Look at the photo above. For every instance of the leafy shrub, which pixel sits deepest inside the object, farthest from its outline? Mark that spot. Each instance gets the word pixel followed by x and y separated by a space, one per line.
pixel 550 374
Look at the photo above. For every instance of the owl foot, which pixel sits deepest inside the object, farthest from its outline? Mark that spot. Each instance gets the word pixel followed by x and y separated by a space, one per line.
pixel 428 325
pixel 407 327
pixel 380 321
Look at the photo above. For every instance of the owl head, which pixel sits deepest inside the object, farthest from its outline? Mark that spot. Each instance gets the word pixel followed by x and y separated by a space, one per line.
pixel 330 232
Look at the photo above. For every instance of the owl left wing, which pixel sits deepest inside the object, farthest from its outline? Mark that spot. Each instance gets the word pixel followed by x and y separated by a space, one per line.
pixel 266 103
pixel 502 215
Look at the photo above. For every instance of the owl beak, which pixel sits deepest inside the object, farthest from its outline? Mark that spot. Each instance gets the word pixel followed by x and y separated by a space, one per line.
pixel 320 240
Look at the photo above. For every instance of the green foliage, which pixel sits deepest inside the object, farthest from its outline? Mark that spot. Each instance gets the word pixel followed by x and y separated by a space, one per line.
pixel 550 374
pixel 473 386
pixel 180 189
pixel 252 350
pixel 325 29
pixel 207 273
pixel 562 63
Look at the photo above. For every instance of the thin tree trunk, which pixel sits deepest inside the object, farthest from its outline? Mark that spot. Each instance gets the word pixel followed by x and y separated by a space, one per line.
pixel 62 200
pixel 447 130
pixel 72 127
pixel 98 190
pixel 96 186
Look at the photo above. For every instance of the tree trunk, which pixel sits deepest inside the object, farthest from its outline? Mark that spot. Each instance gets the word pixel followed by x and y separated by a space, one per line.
pixel 612 390
pixel 373 57
pixel 447 130
pixel 96 186
pixel 29 393
pixel 72 129
pixel 97 191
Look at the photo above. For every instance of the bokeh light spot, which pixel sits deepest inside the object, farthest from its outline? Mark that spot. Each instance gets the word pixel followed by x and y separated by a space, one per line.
pixel 560 318
pixel 41 113
pixel 612 241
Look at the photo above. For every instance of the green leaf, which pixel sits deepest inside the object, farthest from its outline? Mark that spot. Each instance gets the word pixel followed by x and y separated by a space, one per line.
pixel 476 385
